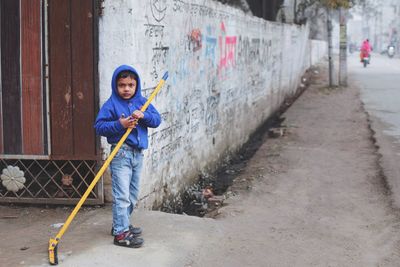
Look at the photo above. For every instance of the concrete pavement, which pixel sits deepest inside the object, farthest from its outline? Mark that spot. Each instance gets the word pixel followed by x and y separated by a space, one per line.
pixel 313 196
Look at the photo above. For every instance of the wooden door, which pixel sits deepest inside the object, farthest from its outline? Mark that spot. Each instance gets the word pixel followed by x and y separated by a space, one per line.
pixel 71 69
pixel 47 99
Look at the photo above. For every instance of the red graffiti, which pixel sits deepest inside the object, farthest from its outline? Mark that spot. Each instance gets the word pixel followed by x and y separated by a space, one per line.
pixel 227 53
pixel 223 27
pixel 227 50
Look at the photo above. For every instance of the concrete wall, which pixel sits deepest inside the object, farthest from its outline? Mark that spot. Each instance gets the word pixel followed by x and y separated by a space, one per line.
pixel 228 72
pixel 318 50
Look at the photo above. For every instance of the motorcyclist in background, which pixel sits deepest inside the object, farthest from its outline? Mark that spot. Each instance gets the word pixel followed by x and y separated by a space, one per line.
pixel 365 51
pixel 390 50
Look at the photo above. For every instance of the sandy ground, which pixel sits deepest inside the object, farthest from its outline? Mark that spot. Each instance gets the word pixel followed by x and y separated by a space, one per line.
pixel 318 197
pixel 314 196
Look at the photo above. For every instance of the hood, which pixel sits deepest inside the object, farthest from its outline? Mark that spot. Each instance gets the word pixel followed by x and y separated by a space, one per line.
pixel 115 94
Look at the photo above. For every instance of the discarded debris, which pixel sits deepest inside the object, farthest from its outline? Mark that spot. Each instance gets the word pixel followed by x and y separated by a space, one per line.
pixel 9 217
pixel 195 200
pixel 206 196
pixel 276 132
pixel 207 192
pixel 229 171
pixel 57 225
pixel 215 201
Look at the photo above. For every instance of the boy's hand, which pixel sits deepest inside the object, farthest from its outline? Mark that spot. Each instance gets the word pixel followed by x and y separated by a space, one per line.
pixel 128 122
pixel 137 114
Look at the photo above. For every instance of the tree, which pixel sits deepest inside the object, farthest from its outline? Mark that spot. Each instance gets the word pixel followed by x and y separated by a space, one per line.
pixel 336 4
pixel 341 6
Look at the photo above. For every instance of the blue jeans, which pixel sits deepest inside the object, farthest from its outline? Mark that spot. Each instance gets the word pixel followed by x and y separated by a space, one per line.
pixel 125 173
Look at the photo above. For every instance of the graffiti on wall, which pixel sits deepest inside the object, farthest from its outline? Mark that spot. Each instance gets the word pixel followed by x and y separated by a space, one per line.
pixel 154 35
pixel 227 46
pixel 220 67
pixel 193 9
pixel 154 30
pixel 195 40
pixel 158 9
pixel 212 115
pixel 158 59
pixel 211 45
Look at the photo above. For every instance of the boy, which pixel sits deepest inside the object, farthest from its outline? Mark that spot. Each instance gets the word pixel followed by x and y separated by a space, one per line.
pixel 119 112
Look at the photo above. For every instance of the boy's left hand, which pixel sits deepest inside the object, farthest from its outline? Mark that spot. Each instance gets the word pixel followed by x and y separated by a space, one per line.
pixel 137 114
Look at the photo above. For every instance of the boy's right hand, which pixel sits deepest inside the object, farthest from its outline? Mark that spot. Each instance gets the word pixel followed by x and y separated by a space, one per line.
pixel 128 122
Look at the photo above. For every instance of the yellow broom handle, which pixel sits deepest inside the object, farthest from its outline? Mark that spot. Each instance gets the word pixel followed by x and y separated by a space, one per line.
pixel 105 165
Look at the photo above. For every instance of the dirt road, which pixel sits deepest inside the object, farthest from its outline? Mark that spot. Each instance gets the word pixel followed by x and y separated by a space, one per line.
pixel 379 84
pixel 314 196
pixel 318 197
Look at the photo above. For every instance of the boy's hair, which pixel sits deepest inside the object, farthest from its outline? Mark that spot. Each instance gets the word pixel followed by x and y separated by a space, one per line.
pixel 127 73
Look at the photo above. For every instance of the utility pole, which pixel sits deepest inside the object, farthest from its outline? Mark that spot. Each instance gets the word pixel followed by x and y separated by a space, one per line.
pixel 343 47
pixel 331 70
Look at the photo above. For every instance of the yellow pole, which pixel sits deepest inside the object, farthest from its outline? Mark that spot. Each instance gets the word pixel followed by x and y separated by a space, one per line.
pixel 53 242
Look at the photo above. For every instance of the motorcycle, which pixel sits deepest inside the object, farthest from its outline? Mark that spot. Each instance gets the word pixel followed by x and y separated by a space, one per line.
pixel 365 61
pixel 365 58
pixel 390 51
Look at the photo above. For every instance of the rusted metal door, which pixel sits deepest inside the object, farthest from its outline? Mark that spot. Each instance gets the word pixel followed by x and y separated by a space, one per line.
pixel 48 100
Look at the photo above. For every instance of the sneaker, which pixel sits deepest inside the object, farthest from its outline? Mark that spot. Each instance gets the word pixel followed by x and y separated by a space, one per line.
pixel 136 231
pixel 126 239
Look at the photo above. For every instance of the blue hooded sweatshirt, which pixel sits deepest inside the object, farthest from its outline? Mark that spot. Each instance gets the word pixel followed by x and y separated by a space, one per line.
pixel 107 122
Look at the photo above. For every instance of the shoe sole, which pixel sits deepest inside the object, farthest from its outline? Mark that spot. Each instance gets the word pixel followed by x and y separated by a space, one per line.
pixel 130 246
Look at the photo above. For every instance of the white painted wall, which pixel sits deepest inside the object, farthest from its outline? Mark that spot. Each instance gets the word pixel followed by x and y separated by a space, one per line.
pixel 319 49
pixel 227 73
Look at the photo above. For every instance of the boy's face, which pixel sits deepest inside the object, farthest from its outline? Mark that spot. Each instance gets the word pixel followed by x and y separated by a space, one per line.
pixel 126 87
